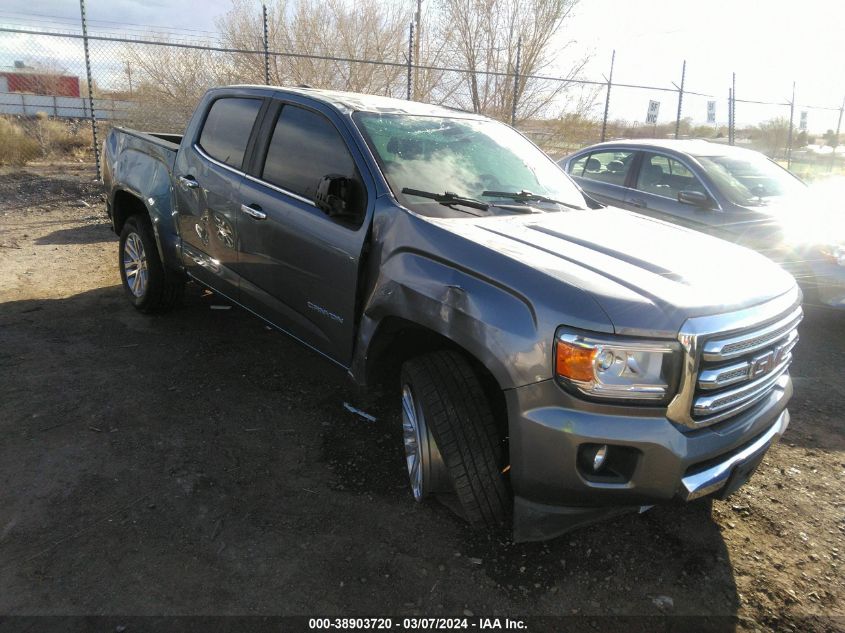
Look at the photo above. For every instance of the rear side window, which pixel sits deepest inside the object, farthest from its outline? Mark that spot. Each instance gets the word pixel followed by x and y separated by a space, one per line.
pixel 305 147
pixel 227 128
pixel 610 167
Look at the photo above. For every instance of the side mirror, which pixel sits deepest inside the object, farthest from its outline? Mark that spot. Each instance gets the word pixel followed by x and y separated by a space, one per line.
pixel 695 198
pixel 333 195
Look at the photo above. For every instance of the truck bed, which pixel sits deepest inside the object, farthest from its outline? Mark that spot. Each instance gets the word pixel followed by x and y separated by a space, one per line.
pixel 168 141
pixel 160 146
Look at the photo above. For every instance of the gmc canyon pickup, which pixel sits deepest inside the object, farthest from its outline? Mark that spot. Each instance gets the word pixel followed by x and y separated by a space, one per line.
pixel 554 360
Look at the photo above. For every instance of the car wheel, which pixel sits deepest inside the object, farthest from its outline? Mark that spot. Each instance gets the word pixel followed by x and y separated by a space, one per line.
pixel 148 285
pixel 452 443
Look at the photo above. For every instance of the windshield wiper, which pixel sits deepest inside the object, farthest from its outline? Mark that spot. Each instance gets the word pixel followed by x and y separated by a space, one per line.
pixel 526 196
pixel 447 198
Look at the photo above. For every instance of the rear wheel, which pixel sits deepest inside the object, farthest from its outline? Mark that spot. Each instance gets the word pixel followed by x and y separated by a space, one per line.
pixel 452 443
pixel 148 285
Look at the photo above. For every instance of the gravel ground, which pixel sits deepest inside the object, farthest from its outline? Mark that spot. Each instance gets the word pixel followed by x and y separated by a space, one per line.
pixel 201 464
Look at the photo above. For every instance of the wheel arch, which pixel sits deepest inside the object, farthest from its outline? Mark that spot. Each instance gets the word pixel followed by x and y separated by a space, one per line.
pixel 126 203
pixel 397 340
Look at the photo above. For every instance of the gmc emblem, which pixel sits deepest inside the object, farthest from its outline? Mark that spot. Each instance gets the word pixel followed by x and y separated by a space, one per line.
pixel 765 363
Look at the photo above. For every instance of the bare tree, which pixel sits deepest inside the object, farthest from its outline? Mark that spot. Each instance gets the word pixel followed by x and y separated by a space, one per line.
pixel 169 81
pixel 332 32
pixel 483 35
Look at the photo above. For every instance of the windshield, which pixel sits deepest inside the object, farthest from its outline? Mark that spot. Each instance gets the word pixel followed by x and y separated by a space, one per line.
pixel 749 180
pixel 469 158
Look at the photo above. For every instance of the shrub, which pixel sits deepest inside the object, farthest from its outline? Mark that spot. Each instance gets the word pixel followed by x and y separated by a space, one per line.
pixel 24 140
pixel 17 147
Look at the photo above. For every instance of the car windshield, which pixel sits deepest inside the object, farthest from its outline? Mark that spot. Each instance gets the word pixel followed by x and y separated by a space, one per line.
pixel 750 180
pixel 479 160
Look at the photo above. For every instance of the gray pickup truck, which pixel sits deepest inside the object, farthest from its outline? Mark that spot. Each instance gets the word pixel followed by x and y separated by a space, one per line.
pixel 554 360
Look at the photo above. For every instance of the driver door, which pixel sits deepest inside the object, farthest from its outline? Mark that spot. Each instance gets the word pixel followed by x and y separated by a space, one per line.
pixel 298 267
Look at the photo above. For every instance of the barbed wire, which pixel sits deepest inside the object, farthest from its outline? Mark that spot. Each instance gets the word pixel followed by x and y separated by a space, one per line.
pixel 167 41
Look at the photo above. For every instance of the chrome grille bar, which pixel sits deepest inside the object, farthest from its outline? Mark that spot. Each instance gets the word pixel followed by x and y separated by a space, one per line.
pixel 710 379
pixel 748 342
pixel 752 391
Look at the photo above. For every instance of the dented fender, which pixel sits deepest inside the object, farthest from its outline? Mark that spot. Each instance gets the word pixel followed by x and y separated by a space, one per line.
pixel 141 166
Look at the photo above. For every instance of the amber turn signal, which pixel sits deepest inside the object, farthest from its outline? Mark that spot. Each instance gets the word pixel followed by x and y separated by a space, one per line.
pixel 574 361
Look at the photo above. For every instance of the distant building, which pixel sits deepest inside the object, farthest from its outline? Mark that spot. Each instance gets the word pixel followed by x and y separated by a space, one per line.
pixel 35 81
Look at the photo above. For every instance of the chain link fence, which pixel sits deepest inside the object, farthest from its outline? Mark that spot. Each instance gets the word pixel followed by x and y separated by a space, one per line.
pixel 153 83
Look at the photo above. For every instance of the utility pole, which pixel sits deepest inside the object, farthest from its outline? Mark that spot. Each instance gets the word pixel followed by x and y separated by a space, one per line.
pixel 680 99
pixel 418 21
pixel 607 97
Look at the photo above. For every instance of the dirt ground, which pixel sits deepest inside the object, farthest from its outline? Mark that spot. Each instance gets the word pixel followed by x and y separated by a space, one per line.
pixel 201 464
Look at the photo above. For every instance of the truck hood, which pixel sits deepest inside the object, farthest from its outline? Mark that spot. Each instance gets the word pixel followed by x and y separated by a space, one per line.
pixel 647 275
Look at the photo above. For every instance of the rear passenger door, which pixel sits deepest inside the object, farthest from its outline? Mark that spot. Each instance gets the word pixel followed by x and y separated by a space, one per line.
pixel 604 174
pixel 655 192
pixel 207 180
pixel 298 266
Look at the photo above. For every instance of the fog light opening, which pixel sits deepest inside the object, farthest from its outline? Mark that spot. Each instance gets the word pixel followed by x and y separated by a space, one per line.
pixel 607 463
pixel 599 458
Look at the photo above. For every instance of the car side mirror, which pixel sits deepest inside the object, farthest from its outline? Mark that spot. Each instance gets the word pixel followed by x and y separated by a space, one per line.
pixel 695 198
pixel 333 195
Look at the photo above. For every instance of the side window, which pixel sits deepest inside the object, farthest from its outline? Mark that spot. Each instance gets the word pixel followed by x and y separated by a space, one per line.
pixel 611 167
pixel 664 176
pixel 227 127
pixel 576 167
pixel 305 146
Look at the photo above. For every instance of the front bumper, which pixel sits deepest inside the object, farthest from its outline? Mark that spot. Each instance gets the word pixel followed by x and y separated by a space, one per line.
pixel 672 463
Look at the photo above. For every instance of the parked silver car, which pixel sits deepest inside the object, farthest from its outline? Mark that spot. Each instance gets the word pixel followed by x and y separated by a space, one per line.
pixel 729 192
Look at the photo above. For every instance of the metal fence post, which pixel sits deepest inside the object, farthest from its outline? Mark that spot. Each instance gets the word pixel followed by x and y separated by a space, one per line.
pixel 516 80
pixel 266 47
pixel 730 117
pixel 836 139
pixel 90 87
pixel 417 43
pixel 607 96
pixel 680 99
pixel 410 57
pixel 733 109
pixel 789 133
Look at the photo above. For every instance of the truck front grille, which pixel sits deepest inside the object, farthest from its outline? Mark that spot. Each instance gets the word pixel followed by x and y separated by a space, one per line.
pixel 739 370
pixel 734 361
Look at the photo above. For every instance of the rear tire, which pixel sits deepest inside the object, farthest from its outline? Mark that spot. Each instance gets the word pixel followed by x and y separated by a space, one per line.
pixel 150 287
pixel 453 406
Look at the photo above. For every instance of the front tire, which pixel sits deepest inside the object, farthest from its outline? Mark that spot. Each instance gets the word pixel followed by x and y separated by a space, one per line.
pixel 148 285
pixel 457 446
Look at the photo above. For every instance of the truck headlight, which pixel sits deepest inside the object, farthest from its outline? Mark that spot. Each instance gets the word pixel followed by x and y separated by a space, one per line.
pixel 616 368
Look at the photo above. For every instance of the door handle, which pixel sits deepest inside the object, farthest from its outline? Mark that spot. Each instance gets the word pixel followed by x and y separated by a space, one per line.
pixel 189 182
pixel 254 211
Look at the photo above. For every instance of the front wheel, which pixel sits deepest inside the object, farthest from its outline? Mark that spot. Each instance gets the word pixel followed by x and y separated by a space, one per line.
pixel 148 285
pixel 452 443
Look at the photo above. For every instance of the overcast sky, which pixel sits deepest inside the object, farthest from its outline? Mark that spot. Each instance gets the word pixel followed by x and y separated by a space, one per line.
pixel 767 43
